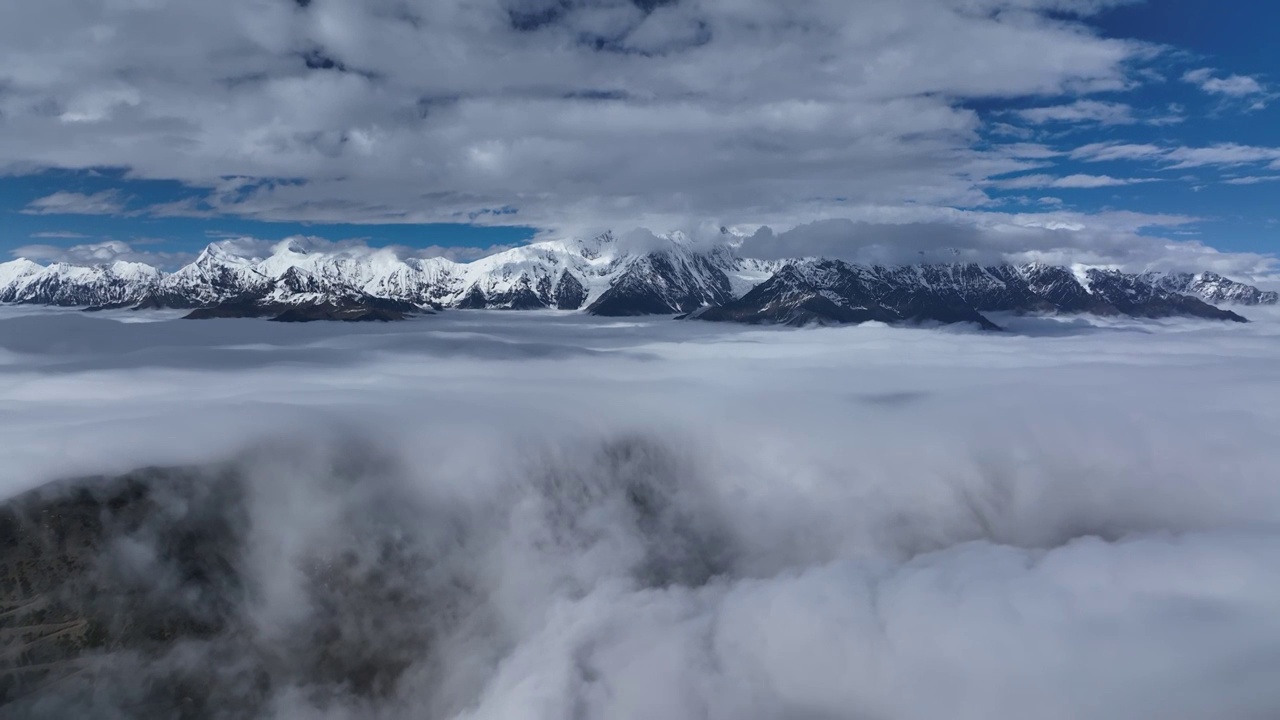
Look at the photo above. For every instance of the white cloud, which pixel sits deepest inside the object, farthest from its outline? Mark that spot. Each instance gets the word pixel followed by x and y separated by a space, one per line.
pixel 106 202
pixel 1178 158
pixel 1232 85
pixel 658 519
pixel 258 248
pixel 1111 151
pixel 1130 241
pixel 1081 111
pixel 1077 181
pixel 58 235
pixel 1226 154
pixel 1098 113
pixel 100 253
pixel 587 112
pixel 1251 179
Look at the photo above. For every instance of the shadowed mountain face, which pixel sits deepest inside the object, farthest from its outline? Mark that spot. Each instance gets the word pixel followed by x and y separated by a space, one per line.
pixel 833 292
pixel 361 308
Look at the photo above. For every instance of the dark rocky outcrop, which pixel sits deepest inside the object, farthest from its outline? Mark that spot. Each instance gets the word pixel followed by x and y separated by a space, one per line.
pixel 833 292
pixel 569 292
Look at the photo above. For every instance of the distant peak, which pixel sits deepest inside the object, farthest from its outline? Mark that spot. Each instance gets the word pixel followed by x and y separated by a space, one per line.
pixel 216 250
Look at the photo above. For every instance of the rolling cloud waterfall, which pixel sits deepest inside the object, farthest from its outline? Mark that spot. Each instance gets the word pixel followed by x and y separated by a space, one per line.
pixel 556 516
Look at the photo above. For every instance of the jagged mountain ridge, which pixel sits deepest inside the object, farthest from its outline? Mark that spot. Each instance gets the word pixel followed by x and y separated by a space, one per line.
pixel 1213 288
pixel 598 274
pixel 825 291
pixel 609 276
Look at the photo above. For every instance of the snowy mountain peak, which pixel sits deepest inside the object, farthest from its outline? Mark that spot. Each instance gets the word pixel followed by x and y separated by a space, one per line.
pixel 594 248
pixel 1213 288
pixel 635 273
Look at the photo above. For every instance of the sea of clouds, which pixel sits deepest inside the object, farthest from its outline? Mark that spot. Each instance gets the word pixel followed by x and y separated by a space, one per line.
pixel 546 515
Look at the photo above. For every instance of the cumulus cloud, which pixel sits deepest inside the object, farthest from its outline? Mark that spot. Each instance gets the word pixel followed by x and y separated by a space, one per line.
pixel 591 111
pixel 427 519
pixel 143 250
pixel 100 253
pixel 1131 241
pixel 260 248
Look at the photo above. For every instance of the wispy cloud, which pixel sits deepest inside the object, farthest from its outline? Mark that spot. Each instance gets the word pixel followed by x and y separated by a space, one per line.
pixel 1230 85
pixel 1098 113
pixel 1226 154
pixel 58 235
pixel 1077 181
pixel 106 202
pixel 1107 152
pixel 1177 158
pixel 1252 179
pixel 1104 113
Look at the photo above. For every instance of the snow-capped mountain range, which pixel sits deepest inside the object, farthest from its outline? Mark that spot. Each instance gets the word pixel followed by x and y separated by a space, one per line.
pixel 607 276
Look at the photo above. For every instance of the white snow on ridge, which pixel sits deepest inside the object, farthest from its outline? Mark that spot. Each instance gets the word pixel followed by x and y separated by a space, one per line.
pixel 292 272
pixel 672 266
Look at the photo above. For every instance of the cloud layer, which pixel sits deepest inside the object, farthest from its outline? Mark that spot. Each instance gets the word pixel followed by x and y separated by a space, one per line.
pixel 581 111
pixel 681 520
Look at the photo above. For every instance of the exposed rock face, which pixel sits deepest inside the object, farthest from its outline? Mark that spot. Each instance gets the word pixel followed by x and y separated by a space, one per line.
pixel 569 293
pixel 833 292
pixel 1132 295
pixel 665 284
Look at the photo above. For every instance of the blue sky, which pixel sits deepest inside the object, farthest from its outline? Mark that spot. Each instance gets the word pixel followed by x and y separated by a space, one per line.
pixel 134 224
pixel 1200 34
pixel 1141 120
